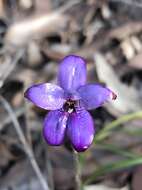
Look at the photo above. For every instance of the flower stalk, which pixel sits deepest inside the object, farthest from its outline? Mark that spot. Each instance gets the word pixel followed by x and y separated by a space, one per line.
pixel 77 170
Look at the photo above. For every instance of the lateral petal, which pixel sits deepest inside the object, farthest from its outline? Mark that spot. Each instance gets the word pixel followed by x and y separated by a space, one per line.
pixel 94 95
pixel 47 96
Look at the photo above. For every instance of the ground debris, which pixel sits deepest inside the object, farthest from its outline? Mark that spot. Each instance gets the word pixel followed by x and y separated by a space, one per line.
pixel 34 36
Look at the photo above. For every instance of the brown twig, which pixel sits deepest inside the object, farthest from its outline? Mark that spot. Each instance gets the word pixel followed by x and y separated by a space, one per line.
pixel 26 147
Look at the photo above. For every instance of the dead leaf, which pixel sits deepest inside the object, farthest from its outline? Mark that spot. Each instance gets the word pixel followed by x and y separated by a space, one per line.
pixel 103 187
pixel 136 62
pixel 127 97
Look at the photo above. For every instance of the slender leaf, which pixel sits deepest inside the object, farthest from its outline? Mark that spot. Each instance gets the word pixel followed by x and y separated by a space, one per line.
pixel 108 168
pixel 117 150
pixel 106 131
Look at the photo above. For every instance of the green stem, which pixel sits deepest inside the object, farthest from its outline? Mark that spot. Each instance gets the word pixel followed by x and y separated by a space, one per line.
pixel 77 170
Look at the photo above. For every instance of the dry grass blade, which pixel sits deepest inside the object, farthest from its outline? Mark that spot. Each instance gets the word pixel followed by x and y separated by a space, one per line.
pixel 10 66
pixel 26 147
pixel 129 2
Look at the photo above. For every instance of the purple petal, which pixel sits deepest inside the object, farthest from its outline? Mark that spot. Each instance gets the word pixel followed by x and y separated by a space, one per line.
pixel 94 95
pixel 46 96
pixel 54 127
pixel 80 130
pixel 72 72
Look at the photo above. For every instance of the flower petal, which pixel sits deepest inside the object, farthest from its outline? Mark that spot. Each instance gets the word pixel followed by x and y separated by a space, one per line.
pixel 54 127
pixel 46 96
pixel 80 130
pixel 94 95
pixel 72 72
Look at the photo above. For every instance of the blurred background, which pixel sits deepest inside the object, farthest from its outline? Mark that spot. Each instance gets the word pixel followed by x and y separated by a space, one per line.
pixel 34 36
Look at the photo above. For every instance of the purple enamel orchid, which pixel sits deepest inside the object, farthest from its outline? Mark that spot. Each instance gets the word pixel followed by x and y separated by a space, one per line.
pixel 69 102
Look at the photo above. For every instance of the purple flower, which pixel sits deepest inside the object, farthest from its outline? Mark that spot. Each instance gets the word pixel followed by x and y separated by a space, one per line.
pixel 69 102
